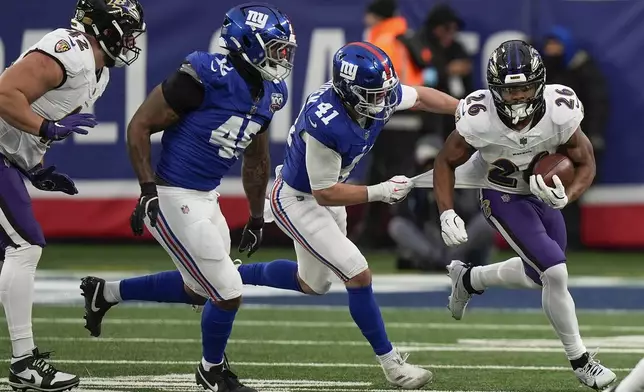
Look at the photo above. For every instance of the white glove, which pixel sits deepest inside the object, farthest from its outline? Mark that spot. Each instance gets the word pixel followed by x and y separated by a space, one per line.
pixel 554 197
pixel 452 228
pixel 391 191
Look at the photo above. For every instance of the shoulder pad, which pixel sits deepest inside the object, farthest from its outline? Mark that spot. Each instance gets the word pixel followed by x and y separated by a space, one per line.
pixel 473 117
pixel 209 67
pixel 69 47
pixel 566 108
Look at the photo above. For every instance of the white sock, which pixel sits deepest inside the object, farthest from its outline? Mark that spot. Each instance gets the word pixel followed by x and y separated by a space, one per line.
pixel 509 273
pixel 112 292
pixel 207 365
pixel 634 382
pixel 560 310
pixel 389 356
pixel 17 295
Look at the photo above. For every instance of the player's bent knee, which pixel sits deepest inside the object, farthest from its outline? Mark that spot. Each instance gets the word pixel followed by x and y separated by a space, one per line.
pixel 229 304
pixel 556 276
pixel 363 279
pixel 319 287
pixel 196 298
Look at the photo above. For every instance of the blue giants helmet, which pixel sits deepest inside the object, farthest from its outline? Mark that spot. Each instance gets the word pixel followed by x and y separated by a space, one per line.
pixel 365 79
pixel 516 78
pixel 263 36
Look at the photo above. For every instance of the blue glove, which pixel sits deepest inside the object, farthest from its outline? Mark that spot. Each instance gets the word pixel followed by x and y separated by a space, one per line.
pixel 61 129
pixel 46 179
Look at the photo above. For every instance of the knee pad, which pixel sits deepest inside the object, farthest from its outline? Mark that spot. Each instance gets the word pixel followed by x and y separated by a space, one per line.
pixel 319 286
pixel 556 277
pixel 357 264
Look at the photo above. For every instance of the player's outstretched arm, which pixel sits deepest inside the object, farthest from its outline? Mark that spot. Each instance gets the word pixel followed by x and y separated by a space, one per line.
pixel 255 172
pixel 580 151
pixel 427 99
pixel 324 166
pixel 454 153
pixel 23 83
pixel 154 115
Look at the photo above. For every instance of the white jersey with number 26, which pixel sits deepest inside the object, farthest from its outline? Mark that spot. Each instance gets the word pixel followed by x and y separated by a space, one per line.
pixel 506 153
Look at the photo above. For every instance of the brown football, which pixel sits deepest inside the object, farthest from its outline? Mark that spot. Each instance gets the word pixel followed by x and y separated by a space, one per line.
pixel 558 164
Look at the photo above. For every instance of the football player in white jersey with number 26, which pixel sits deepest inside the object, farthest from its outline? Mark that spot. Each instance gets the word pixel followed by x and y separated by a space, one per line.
pixel 500 134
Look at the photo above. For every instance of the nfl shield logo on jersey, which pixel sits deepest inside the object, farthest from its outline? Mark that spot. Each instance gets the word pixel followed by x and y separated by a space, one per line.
pixel 185 209
pixel 277 100
pixel 523 141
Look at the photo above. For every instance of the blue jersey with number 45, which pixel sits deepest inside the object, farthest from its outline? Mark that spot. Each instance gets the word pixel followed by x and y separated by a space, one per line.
pixel 200 149
pixel 325 118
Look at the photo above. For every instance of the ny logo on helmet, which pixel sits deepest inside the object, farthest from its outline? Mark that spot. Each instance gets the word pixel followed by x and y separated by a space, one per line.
pixel 348 71
pixel 256 19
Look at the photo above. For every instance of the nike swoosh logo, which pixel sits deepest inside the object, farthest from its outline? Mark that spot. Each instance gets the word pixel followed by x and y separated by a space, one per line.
pixel 212 66
pixel 94 308
pixel 314 125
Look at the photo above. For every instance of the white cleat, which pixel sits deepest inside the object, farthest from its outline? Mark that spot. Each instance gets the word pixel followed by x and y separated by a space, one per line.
pixel 595 375
pixel 401 374
pixel 459 298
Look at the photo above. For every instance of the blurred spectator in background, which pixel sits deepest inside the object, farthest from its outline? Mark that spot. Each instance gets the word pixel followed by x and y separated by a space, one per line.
pixel 571 66
pixel 445 64
pixel 390 155
pixel 385 26
pixel 567 64
pixel 416 227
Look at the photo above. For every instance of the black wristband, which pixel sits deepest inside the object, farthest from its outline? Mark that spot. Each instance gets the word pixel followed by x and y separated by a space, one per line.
pixel 255 223
pixel 149 188
pixel 42 132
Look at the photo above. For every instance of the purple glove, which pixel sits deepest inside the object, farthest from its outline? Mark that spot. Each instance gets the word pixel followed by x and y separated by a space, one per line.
pixel 61 129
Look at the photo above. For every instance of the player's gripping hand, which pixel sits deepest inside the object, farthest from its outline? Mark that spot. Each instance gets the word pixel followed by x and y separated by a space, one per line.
pixel 391 191
pixel 46 179
pixel 554 197
pixel 252 236
pixel 61 129
pixel 148 205
pixel 452 228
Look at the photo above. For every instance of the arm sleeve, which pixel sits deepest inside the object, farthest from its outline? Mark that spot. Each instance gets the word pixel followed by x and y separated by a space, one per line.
pixel 183 90
pixel 322 164
pixel 408 99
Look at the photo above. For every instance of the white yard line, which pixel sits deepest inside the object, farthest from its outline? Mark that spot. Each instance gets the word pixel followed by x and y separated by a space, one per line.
pixel 341 324
pixel 313 365
pixel 465 345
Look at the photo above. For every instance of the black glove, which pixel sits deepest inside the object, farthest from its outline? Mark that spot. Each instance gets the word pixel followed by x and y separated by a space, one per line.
pixel 148 205
pixel 252 236
pixel 46 179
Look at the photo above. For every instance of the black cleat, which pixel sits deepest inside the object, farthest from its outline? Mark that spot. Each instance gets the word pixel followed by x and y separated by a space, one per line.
pixel 220 379
pixel 95 304
pixel 33 372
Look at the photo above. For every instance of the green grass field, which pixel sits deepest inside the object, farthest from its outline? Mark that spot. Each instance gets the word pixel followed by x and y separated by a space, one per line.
pixel 151 257
pixel 282 349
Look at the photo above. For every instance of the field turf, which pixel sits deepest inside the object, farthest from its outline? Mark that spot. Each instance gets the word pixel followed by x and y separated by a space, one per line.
pixel 282 349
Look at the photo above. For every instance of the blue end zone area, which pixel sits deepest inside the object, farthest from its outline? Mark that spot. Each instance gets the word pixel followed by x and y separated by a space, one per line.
pixel 422 291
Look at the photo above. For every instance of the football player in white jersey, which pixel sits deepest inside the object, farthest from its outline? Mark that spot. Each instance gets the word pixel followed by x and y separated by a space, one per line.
pixel 41 95
pixel 500 133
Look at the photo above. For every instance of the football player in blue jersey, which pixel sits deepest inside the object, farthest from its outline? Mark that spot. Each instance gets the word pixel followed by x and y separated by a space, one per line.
pixel 213 109
pixel 337 126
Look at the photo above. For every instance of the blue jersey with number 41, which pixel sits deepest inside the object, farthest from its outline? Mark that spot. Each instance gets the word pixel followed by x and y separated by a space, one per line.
pixel 202 146
pixel 325 118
